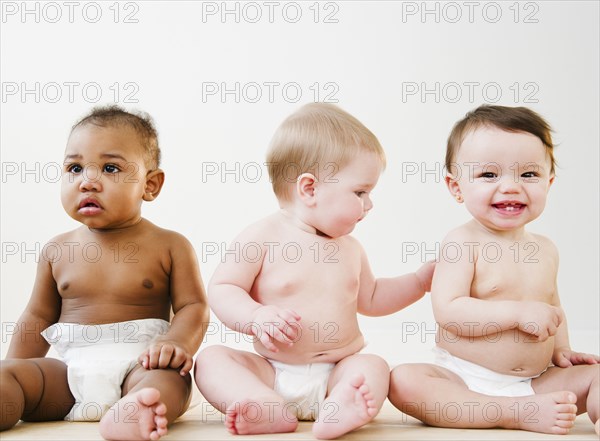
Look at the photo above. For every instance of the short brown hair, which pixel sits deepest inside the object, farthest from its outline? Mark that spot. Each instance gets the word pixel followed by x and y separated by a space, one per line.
pixel 315 135
pixel 141 122
pixel 511 119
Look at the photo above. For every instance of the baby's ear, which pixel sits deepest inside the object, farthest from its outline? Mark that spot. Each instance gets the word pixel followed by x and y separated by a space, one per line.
pixel 305 188
pixel 154 182
pixel 453 187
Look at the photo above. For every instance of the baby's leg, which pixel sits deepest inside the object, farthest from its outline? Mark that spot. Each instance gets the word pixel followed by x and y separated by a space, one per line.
pixel 34 389
pixel 440 398
pixel 357 387
pixel 582 380
pixel 240 384
pixel 151 399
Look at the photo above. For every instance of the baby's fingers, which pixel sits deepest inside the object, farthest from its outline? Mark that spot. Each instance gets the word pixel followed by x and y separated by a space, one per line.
pixel 165 356
pixel 289 316
pixel 543 334
pixel 154 352
pixel 275 331
pixel 560 316
pixel 144 359
pixel 586 358
pixel 291 326
pixel 593 359
pixel 551 330
pixel 563 361
pixel 178 358
pixel 292 332
pixel 187 366
pixel 266 341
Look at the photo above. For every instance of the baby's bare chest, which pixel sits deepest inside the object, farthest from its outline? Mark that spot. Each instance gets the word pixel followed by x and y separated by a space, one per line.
pixel 123 271
pixel 310 271
pixel 519 271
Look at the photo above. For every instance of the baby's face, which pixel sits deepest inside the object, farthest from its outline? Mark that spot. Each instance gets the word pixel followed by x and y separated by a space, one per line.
pixel 104 176
pixel 503 177
pixel 343 196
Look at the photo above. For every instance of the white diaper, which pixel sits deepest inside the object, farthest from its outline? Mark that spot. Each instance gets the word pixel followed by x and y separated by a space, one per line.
pixel 483 380
pixel 303 386
pixel 98 357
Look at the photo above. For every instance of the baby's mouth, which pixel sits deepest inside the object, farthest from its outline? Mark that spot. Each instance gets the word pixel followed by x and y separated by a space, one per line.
pixel 509 207
pixel 89 206
pixel 85 204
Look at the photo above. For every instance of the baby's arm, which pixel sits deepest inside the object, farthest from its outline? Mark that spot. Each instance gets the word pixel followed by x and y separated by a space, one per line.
pixel 384 296
pixel 228 294
pixel 563 356
pixel 458 312
pixel 42 311
pixel 190 308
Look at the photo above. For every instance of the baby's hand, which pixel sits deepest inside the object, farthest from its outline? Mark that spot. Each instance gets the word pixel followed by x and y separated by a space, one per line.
pixel 540 319
pixel 425 274
pixel 565 357
pixel 270 323
pixel 162 354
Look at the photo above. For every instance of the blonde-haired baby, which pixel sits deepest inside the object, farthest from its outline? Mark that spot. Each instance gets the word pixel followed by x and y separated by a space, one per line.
pixel 301 297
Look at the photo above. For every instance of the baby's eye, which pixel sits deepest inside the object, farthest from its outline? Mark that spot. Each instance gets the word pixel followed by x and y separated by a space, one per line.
pixel 529 175
pixel 360 193
pixel 111 168
pixel 74 168
pixel 489 175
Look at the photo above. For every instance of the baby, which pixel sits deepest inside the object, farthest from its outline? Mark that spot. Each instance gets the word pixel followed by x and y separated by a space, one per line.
pixel 103 296
pixel 495 298
pixel 299 293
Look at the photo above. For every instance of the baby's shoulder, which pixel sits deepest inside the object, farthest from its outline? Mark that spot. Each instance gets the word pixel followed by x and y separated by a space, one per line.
pixel 63 244
pixel 461 234
pixel 544 243
pixel 351 242
pixel 267 228
pixel 68 237
pixel 164 236
pixel 543 240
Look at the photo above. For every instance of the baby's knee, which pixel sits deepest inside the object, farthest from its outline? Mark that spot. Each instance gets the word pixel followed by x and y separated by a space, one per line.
pixel 7 366
pixel 589 372
pixel 21 370
pixel 377 363
pixel 405 377
pixel 212 355
pixel 10 380
pixel 11 366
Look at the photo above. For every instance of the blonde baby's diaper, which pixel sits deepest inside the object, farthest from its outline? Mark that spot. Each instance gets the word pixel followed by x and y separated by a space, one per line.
pixel 303 386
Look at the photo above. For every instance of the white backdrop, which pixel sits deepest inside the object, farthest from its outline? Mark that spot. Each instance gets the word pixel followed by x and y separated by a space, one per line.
pixel 219 77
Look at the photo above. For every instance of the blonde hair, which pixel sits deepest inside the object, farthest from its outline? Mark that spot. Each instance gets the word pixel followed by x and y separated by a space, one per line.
pixel 314 136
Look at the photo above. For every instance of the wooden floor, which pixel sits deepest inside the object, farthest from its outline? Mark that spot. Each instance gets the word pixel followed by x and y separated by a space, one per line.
pixel 203 423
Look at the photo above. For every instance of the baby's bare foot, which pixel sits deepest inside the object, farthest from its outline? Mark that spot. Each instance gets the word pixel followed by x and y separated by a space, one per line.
pixel 250 417
pixel 547 413
pixel 137 416
pixel 349 405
